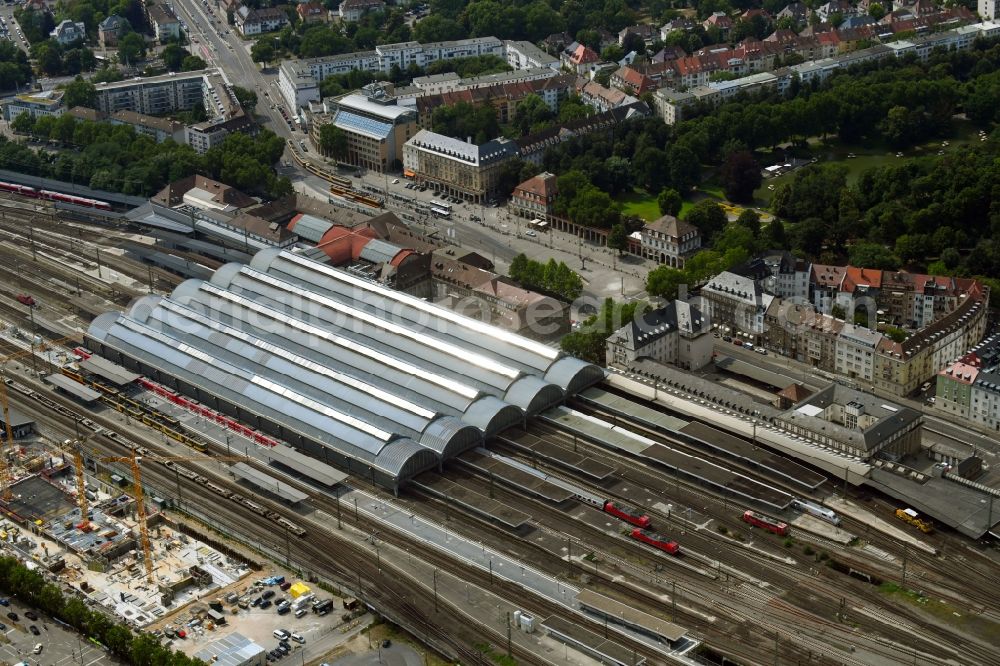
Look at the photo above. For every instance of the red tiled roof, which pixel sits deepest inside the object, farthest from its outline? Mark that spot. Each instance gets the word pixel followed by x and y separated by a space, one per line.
pixel 343 245
pixel 583 55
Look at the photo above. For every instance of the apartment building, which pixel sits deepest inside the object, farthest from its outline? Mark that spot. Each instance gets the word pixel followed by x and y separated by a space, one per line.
pixel 158 129
pixel 503 96
pixel 154 95
pixel 456 167
pixel 738 304
pixel 351 11
pixel 250 21
pixel 165 24
pixel 525 55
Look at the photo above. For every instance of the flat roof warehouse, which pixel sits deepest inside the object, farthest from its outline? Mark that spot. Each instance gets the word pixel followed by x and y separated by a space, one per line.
pixel 374 381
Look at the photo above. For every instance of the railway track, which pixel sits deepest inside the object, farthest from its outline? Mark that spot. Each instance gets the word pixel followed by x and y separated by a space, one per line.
pixel 161 479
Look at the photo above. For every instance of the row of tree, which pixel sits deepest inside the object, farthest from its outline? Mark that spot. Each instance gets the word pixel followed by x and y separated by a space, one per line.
pixel 32 588
pixel 116 158
pixel 555 279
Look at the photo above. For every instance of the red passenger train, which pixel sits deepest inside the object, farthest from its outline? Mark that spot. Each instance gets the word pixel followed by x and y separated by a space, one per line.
pixel 50 195
pixel 657 541
pixel 765 522
pixel 628 515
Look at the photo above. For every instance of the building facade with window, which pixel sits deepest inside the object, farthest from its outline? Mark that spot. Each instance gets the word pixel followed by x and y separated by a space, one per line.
pixel 456 167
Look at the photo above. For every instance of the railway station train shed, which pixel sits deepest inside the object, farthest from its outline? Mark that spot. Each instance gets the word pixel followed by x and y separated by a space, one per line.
pixel 373 380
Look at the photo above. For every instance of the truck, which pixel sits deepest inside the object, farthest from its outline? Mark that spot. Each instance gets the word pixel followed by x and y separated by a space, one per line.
pixel 913 518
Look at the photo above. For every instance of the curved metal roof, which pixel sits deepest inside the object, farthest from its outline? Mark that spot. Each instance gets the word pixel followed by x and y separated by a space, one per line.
pixel 400 306
pixel 533 395
pixel 492 415
pixel 573 375
pixel 388 453
pixel 360 371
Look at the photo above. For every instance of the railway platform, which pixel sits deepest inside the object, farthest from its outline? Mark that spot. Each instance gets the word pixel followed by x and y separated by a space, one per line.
pixel 692 467
pixel 560 455
pixel 513 476
pixel 491 509
pixel 706 437
pixel 604 650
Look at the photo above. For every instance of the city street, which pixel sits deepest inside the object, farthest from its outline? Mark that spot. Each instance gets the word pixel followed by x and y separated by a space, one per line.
pixel 220 45
pixel 498 236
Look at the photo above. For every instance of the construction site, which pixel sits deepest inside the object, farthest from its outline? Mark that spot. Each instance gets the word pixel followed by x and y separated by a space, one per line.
pixel 76 517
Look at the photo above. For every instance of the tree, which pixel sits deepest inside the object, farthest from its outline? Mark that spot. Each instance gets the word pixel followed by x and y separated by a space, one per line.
pixel 593 208
pixel 740 176
pixel 466 121
pixel 532 114
pixel 48 55
pixel 873 255
pixel 173 56
pixel 247 98
pixel 23 123
pixel 774 237
pixel 708 216
pixel 669 201
pixel 80 93
pixel 192 63
pixel 684 168
pixel 912 247
pixel 749 219
pixel 333 141
pixel 437 28
pixel 262 50
pixel 876 10
pixel 618 238
pixel 131 48
pixel 664 282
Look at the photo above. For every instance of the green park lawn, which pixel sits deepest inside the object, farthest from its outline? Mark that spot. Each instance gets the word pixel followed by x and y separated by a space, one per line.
pixel 866 157
pixel 641 204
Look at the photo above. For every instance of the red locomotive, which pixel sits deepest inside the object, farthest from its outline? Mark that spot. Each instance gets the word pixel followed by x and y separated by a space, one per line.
pixel 628 515
pixel 765 522
pixel 657 541
pixel 50 195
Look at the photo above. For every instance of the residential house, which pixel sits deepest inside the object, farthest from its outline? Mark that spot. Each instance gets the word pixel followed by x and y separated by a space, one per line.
pixel 632 81
pixel 601 97
pixel 989 10
pixel 158 129
pixel 682 24
pixel 69 32
pixel 669 241
pixel 668 53
pixel 535 197
pixel 251 21
pixel 646 32
pixel 312 12
pixel 842 8
pixel 721 22
pixel 796 11
pixel 109 30
pixel 677 333
pixel 351 11
pixel 557 42
pixel 580 59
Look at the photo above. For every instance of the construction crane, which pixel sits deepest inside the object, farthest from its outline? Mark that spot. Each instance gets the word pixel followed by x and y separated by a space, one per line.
pixel 133 461
pixel 8 442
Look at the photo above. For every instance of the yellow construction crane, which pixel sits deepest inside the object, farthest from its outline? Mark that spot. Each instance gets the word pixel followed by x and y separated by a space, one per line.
pixel 8 442
pixel 133 461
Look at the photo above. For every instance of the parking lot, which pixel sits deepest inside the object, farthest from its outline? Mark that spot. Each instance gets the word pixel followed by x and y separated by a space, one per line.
pixel 60 645
pixel 299 634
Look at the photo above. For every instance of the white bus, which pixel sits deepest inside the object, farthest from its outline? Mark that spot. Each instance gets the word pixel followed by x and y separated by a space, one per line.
pixel 441 205
pixel 440 212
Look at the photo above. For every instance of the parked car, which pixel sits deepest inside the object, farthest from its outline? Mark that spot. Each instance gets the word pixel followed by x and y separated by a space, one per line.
pixel 264 605
pixel 268 594
pixel 34 630
pixel 12 615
